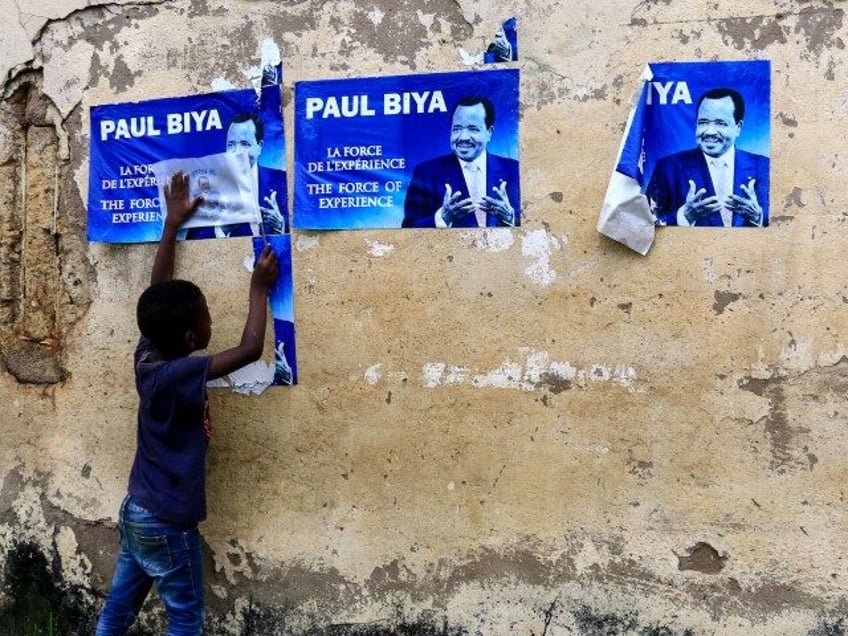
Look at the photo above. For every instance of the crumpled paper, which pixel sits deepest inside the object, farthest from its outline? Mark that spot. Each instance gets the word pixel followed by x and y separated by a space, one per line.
pixel 626 215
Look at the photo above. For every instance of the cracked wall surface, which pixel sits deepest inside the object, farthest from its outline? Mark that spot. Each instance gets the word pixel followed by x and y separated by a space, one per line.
pixel 530 430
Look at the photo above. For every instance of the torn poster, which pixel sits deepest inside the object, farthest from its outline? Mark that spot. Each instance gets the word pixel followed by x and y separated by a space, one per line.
pixel 222 180
pixel 501 49
pixel 197 133
pixel 504 46
pixel 695 152
pixel 281 294
pixel 434 150
pixel 257 376
pixel 281 301
pixel 127 139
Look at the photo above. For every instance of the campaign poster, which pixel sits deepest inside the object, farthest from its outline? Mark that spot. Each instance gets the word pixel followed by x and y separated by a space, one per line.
pixel 702 149
pixel 415 151
pixel 195 134
pixel 127 139
pixel 281 301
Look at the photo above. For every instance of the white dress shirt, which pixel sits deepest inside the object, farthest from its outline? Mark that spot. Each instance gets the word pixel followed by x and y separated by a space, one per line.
pixel 721 174
pixel 474 172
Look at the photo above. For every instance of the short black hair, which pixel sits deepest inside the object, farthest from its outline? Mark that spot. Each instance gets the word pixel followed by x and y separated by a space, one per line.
pixel 257 122
pixel 473 100
pixel 166 311
pixel 720 93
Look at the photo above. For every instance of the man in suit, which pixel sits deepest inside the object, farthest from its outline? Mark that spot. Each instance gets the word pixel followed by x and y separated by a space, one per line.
pixel 715 184
pixel 246 134
pixel 469 187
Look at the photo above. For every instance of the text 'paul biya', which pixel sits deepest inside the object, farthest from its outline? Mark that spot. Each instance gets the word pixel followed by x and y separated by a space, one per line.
pixel 410 103
pixel 147 126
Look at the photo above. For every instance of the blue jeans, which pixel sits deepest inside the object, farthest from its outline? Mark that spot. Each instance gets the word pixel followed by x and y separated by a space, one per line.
pixel 161 552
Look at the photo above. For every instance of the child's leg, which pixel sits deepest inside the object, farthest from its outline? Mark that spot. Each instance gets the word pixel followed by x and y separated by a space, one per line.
pixel 181 588
pixel 169 554
pixel 130 586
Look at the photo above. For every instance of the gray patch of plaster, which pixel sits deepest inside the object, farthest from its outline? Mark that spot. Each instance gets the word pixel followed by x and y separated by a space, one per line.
pixel 757 32
pixel 794 199
pixel 121 78
pixel 723 299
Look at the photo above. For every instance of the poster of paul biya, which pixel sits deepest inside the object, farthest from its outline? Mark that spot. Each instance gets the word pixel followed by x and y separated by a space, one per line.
pixel 420 151
pixel 231 143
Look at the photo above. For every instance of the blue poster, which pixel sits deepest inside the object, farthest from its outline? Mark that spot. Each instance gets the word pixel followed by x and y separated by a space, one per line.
pixel 699 143
pixel 281 299
pixel 422 151
pixel 504 46
pixel 127 139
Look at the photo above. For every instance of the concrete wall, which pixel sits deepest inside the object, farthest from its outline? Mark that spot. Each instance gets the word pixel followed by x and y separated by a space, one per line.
pixel 531 431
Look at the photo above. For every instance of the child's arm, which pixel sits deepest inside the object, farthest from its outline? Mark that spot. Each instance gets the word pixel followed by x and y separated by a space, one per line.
pixel 253 336
pixel 179 210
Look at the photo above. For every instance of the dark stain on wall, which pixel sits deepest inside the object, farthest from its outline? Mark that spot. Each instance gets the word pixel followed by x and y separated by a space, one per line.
pixel 593 623
pixel 794 199
pixel 399 36
pixel 590 622
pixel 639 468
pixel 828 628
pixel 776 423
pixel 121 77
pixel 37 601
pixel 723 299
pixel 819 26
pixel 386 629
pixel 40 592
pixel 643 13
pixel 815 28
pixel 816 388
pixel 755 32
pixel 202 8
pixel 703 558
pixel 554 383
pixel 787 120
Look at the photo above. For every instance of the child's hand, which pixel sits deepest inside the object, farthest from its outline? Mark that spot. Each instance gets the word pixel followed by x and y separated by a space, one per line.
pixel 177 202
pixel 265 269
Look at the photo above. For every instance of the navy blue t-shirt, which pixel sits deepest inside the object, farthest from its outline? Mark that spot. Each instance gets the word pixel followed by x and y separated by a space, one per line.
pixel 168 475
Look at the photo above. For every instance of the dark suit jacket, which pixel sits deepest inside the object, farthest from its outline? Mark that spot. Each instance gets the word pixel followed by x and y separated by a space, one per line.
pixel 269 179
pixel 426 189
pixel 670 182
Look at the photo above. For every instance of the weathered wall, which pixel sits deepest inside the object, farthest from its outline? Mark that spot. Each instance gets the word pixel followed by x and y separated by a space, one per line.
pixel 530 431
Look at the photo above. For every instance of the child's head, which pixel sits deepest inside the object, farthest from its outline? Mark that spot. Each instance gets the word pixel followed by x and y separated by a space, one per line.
pixel 173 314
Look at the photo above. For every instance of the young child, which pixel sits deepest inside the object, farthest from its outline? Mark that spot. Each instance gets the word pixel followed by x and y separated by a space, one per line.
pixel 166 499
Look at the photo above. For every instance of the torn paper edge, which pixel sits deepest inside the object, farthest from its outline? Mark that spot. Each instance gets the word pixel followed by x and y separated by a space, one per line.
pixel 626 214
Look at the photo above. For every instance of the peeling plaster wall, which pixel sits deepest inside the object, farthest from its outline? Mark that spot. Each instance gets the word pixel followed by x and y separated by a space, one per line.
pixel 528 431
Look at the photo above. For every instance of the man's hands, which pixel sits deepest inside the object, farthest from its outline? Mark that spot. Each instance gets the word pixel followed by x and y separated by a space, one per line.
pixel 454 208
pixel 499 205
pixel 264 270
pixel 271 215
pixel 179 207
pixel 746 204
pixel 697 206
